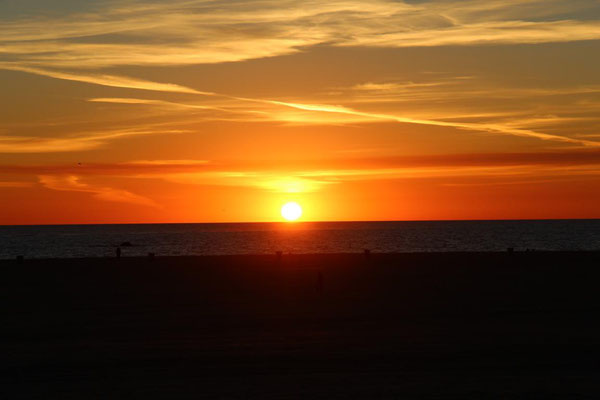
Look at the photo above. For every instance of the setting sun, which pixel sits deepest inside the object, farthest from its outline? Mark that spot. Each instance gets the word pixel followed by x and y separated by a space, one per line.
pixel 291 211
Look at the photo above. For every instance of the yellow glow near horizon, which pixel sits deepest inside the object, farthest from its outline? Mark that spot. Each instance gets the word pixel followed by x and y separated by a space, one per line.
pixel 291 211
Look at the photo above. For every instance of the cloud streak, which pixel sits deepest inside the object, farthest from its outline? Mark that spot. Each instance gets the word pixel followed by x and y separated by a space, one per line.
pixel 147 168
pixel 362 116
pixel 74 46
pixel 72 183
pixel 81 142
pixel 105 80
pixel 305 176
pixel 304 113
pixel 196 32
pixel 496 32
pixel 487 127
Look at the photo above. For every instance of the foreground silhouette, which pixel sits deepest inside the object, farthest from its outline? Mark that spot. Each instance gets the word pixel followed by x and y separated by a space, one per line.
pixel 501 325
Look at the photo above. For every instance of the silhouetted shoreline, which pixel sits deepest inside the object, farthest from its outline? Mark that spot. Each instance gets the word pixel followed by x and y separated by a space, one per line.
pixel 78 241
pixel 450 325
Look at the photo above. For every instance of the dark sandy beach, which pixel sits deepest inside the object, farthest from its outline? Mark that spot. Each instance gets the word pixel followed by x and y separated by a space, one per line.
pixel 454 325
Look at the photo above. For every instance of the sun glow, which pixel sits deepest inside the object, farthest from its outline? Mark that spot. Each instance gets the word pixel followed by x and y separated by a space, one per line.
pixel 291 211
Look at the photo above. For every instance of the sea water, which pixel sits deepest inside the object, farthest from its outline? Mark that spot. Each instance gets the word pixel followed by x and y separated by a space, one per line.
pixel 58 241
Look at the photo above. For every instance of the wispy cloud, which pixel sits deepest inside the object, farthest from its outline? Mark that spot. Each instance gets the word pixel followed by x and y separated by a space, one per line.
pixel 82 141
pixel 105 80
pixel 562 158
pixel 302 176
pixel 493 32
pixel 457 88
pixel 124 169
pixel 311 180
pixel 398 24
pixel 192 32
pixel 485 127
pixel 160 103
pixel 395 87
pixel 74 46
pixel 350 115
pixel 535 111
pixel 300 113
pixel 272 181
pixel 72 183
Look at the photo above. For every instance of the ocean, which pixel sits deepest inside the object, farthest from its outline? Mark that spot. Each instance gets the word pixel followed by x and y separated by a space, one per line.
pixel 66 241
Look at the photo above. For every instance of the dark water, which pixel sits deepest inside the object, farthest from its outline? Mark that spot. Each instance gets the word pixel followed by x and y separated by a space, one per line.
pixel 307 237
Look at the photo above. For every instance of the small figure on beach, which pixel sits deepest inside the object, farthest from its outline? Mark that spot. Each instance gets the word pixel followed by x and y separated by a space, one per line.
pixel 118 252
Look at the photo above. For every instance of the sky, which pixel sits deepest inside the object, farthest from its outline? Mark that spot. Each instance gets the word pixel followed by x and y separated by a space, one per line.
pixel 128 111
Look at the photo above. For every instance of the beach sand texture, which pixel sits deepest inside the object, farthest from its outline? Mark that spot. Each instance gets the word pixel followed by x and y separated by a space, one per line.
pixel 423 325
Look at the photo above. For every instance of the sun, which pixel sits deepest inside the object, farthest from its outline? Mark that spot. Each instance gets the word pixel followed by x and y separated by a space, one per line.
pixel 291 211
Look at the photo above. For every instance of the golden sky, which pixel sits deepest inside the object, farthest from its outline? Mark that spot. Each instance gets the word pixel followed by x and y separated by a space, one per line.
pixel 211 110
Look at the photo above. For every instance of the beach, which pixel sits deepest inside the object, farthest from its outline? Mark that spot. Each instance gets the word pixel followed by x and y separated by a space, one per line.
pixel 410 325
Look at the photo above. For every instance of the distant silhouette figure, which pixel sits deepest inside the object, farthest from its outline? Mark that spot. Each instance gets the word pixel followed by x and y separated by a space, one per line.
pixel 118 252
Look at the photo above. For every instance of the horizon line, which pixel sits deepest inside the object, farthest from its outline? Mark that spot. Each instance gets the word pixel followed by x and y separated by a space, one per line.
pixel 310 221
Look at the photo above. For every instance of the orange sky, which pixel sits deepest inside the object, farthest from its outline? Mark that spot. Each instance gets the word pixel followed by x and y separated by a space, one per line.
pixel 208 111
